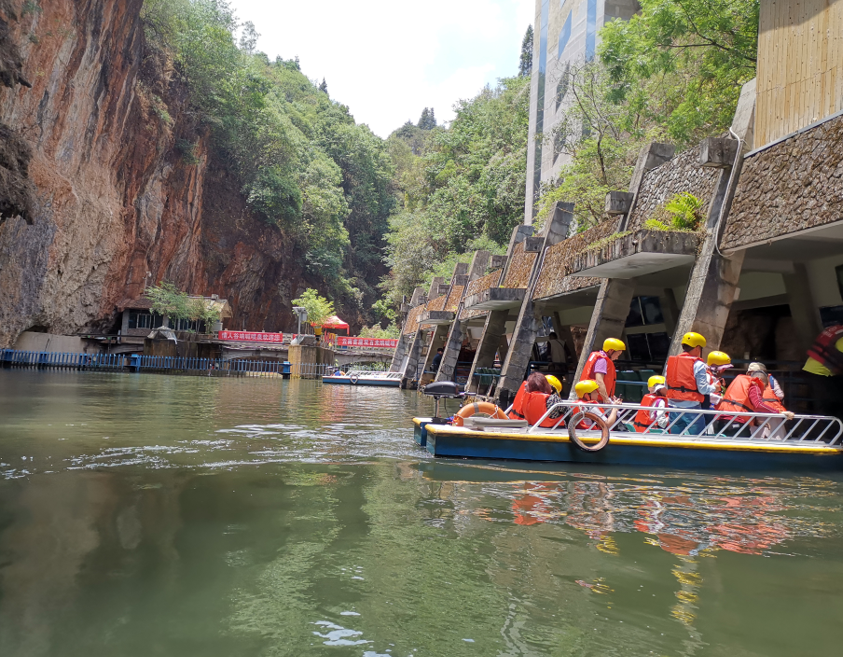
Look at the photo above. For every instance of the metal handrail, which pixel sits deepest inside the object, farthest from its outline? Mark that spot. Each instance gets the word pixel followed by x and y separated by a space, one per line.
pixel 809 424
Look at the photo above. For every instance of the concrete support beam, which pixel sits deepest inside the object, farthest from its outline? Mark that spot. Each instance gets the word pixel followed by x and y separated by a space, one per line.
pixel 526 326
pixel 493 331
pixel 435 284
pixel 437 339
pixel 609 317
pixel 618 202
pixel 806 319
pixel 411 363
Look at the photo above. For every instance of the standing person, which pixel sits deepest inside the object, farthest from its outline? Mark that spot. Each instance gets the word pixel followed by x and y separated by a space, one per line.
pixel 600 367
pixel 557 350
pixel 745 393
pixel 824 372
pixel 686 376
pixel 437 359
pixel 653 421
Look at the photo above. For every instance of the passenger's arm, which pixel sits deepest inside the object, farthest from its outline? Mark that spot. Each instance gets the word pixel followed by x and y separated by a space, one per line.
pixel 701 378
pixel 601 386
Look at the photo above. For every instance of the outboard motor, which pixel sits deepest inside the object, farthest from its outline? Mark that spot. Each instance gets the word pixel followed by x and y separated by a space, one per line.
pixel 441 390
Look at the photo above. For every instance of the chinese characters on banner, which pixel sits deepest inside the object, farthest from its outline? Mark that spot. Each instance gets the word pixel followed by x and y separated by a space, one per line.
pixel 383 343
pixel 244 336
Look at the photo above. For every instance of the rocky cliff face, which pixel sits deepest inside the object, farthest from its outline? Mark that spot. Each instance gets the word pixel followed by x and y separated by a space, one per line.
pixel 113 202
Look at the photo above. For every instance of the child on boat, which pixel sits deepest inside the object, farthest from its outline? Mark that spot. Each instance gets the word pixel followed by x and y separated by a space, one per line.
pixel 653 421
pixel 588 393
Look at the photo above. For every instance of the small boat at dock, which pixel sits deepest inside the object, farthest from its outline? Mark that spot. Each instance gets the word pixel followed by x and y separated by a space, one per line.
pixel 364 378
pixel 807 442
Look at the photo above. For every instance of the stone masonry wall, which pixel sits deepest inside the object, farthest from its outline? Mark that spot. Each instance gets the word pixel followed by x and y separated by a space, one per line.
pixel 520 267
pixel 554 279
pixel 477 286
pixel 793 185
pixel 680 174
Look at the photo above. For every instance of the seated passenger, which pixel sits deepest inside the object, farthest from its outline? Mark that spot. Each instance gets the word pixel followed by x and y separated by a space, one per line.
pixel 773 396
pixel 745 393
pixel 717 363
pixel 588 393
pixel 654 421
pixel 539 396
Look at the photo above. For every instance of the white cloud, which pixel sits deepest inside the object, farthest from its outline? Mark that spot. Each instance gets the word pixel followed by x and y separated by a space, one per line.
pixel 389 59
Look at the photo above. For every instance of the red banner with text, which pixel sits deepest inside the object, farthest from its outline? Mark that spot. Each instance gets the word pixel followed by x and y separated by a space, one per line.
pixel 381 343
pixel 246 336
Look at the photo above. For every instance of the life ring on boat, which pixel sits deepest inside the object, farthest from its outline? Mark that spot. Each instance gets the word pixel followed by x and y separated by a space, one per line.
pixel 484 408
pixel 354 378
pixel 596 419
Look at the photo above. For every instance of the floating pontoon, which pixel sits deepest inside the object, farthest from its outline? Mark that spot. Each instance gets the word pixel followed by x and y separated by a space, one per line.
pixel 365 378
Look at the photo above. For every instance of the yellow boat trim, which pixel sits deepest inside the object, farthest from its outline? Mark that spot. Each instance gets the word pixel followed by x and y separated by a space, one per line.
pixel 637 442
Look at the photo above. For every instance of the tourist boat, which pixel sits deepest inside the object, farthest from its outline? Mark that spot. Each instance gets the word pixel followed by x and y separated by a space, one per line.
pixel 810 442
pixel 364 378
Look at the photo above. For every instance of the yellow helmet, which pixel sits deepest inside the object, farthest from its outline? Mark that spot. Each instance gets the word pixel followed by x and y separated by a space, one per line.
pixel 655 380
pixel 554 383
pixel 839 345
pixel 613 344
pixel 584 387
pixel 693 339
pixel 718 358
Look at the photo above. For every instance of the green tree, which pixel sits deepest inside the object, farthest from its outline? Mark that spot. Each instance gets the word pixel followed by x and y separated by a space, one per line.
pixel 525 63
pixel 318 307
pixel 427 121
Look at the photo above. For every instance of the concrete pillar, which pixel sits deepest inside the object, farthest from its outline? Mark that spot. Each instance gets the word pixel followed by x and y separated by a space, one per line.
pixel 463 274
pixel 411 362
pixel 526 326
pixel 493 331
pixel 806 318
pixel 440 334
pixel 609 317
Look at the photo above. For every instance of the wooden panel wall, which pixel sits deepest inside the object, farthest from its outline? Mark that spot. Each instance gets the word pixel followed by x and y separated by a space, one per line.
pixel 800 65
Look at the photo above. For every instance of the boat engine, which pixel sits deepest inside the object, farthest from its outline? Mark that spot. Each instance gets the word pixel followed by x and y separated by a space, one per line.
pixel 442 390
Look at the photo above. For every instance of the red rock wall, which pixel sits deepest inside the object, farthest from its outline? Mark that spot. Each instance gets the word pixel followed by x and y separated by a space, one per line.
pixel 116 201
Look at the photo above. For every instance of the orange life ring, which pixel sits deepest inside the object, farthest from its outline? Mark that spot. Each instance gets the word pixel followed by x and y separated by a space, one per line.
pixel 478 407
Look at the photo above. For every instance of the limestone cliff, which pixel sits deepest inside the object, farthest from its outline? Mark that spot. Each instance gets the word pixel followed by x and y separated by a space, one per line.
pixel 98 197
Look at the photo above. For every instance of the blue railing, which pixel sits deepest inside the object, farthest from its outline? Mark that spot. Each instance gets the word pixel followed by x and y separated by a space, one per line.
pixel 137 362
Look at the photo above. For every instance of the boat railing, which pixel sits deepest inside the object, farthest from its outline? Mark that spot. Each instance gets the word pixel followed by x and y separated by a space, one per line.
pixel 696 423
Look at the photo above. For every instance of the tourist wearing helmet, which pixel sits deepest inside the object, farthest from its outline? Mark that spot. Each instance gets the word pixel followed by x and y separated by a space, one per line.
pixel 588 394
pixel 746 393
pixel 824 372
pixel 600 367
pixel 654 421
pixel 686 376
pixel 540 395
pixel 718 362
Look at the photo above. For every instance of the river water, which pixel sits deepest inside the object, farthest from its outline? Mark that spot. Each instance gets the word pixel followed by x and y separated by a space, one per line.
pixel 145 515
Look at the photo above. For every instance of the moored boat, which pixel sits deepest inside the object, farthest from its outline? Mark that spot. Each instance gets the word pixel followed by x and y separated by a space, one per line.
pixel 364 378
pixel 765 441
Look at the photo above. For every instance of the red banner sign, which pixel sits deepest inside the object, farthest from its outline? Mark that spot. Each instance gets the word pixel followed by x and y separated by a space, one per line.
pixel 244 336
pixel 382 343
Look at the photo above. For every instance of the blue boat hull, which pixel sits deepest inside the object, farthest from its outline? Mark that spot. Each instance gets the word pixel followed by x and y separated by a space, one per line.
pixel 445 441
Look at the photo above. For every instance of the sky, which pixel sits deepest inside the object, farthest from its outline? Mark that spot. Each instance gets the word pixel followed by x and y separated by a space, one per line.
pixel 389 59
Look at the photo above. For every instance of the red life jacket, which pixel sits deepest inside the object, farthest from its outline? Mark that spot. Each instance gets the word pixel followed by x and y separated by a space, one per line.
pixel 517 411
pixel 824 350
pixel 642 419
pixel 769 398
pixel 680 380
pixel 536 406
pixel 608 379
pixel 737 399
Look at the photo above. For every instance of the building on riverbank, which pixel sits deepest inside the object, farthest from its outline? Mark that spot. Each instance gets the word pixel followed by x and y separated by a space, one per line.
pixel 759 279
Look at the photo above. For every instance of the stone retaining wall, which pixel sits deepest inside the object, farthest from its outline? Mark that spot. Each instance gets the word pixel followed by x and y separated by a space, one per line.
pixel 680 174
pixel 558 262
pixel 412 323
pixel 791 186
pixel 480 285
pixel 520 266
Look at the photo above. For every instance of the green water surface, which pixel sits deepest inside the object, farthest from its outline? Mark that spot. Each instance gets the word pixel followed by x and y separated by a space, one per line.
pixel 145 515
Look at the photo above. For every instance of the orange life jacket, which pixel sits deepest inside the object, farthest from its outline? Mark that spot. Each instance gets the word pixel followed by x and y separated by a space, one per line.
pixel 769 398
pixel 642 419
pixel 536 406
pixel 824 349
pixel 736 398
pixel 517 411
pixel 680 380
pixel 608 379
pixel 585 423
